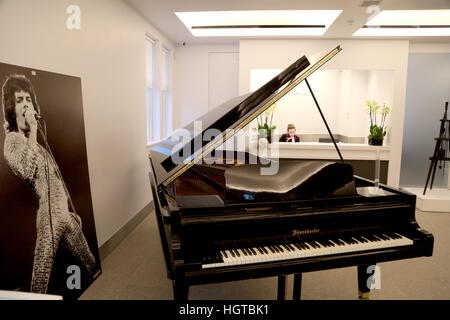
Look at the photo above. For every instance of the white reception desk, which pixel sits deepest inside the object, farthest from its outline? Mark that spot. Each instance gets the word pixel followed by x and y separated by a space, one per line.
pixel 316 150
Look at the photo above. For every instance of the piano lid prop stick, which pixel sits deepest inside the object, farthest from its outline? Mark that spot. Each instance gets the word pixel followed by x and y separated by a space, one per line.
pixel 325 121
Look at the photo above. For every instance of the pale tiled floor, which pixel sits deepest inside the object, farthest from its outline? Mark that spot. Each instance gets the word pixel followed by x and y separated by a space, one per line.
pixel 136 270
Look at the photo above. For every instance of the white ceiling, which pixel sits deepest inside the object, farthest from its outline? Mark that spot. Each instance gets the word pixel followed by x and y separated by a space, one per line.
pixel 160 13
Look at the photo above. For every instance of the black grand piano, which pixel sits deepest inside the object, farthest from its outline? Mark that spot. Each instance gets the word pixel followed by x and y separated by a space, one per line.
pixel 222 219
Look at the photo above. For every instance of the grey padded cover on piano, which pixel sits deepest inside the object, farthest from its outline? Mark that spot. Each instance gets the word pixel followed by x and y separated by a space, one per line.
pixel 294 179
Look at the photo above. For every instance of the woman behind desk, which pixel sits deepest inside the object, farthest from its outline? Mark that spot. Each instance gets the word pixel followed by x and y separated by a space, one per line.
pixel 290 135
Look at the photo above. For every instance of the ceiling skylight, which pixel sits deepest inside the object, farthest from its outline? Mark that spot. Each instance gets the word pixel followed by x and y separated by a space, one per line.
pixel 408 23
pixel 258 23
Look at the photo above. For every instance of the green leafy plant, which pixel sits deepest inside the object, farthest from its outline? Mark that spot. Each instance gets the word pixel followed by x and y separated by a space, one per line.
pixel 265 126
pixel 377 132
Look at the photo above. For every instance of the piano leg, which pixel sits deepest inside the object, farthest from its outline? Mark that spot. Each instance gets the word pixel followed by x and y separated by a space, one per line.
pixel 180 290
pixel 363 277
pixel 297 292
pixel 281 295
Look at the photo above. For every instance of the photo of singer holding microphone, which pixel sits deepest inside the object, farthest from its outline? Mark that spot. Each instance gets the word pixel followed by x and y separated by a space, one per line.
pixel 57 222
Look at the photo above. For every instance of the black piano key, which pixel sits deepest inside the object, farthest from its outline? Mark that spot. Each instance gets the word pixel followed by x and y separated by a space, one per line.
pixel 307 242
pixel 360 239
pixel 336 243
pixel 370 237
pixel 248 248
pixel 331 244
pixel 245 251
pixel 234 249
pixel 224 254
pixel 382 236
pixel 290 246
pixel 293 242
pixel 387 236
pixel 345 240
pixel 255 247
pixel 298 246
pixel 280 246
pixel 277 249
pixel 365 238
pixel 284 244
pixel 323 243
pixel 259 250
pixel 391 235
pixel 319 242
pixel 374 238
pixel 304 245
pixel 310 244
pixel 269 244
pixel 313 244
pixel 280 249
pixel 353 241
pixel 319 245
pixel 264 249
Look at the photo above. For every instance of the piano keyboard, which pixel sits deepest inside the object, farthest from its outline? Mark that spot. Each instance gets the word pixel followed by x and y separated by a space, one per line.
pixel 290 247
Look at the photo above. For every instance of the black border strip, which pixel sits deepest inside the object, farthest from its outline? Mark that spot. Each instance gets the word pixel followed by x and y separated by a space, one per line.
pixel 407 26
pixel 274 26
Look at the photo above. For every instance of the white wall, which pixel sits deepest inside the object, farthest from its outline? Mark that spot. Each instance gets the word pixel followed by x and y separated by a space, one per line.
pixel 352 116
pixel 191 78
pixel 108 53
pixel 429 47
pixel 223 75
pixel 342 95
pixel 356 55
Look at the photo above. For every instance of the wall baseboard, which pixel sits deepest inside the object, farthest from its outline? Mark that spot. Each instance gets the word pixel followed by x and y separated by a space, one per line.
pixel 116 239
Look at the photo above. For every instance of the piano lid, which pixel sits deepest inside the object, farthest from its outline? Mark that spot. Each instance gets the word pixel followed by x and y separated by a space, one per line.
pixel 176 154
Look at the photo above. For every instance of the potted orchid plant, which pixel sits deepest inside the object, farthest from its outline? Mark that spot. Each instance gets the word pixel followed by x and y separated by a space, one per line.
pixel 265 127
pixel 377 132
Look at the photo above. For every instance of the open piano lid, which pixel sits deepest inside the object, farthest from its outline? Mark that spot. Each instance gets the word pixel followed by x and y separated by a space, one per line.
pixel 176 154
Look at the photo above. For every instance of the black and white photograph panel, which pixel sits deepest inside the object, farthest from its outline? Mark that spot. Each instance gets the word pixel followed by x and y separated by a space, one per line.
pixel 48 241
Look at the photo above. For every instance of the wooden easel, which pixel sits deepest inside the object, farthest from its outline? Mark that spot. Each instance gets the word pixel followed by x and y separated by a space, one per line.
pixel 441 150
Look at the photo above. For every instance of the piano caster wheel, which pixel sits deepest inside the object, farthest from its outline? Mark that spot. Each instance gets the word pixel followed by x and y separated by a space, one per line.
pixel 363 295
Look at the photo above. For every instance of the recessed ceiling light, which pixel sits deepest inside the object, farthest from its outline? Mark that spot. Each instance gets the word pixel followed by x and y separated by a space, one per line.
pixel 408 23
pixel 258 23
